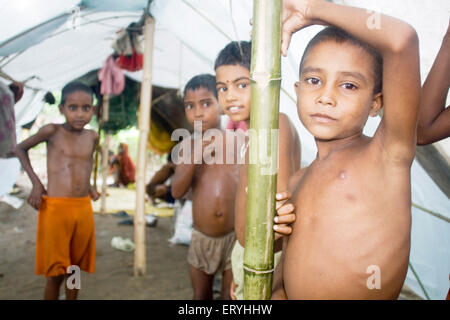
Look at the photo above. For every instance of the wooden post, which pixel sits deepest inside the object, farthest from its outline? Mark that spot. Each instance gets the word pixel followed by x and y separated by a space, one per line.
pixel 105 149
pixel 265 75
pixel 144 122
pixel 105 108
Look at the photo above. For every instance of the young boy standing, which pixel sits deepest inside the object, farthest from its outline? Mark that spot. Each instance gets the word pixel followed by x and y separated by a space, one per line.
pixel 65 231
pixel 351 238
pixel 233 86
pixel 214 187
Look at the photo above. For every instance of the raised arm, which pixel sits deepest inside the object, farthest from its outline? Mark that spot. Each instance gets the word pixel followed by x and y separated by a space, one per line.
pixel 184 174
pixel 434 117
pixel 398 44
pixel 22 153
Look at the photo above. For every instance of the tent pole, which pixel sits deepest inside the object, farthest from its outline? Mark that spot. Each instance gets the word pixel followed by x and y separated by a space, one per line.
pixel 265 76
pixel 144 121
pixel 105 149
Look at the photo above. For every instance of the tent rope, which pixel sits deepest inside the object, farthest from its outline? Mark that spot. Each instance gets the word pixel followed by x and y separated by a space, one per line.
pixel 437 215
pixel 235 29
pixel 420 282
pixel 207 19
pixel 9 78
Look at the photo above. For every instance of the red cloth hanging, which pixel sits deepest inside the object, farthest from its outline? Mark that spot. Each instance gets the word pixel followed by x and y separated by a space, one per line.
pixel 132 62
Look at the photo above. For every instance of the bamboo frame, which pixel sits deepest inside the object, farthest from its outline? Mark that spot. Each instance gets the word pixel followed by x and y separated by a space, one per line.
pixel 265 74
pixel 105 150
pixel 144 122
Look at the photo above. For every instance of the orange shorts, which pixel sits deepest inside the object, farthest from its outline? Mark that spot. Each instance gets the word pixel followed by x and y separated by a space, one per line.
pixel 65 236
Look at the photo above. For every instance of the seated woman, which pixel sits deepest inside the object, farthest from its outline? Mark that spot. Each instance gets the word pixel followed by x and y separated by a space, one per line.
pixel 124 167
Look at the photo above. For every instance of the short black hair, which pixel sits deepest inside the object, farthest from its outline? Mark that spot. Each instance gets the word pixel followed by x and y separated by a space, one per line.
pixel 72 87
pixel 207 81
pixel 235 53
pixel 340 36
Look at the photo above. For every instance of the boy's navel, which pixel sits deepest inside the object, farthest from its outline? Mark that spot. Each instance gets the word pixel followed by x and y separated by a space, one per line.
pixel 219 214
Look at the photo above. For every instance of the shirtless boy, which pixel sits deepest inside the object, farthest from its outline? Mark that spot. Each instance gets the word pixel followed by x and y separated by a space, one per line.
pixel 233 86
pixel 214 188
pixel 65 231
pixel 351 237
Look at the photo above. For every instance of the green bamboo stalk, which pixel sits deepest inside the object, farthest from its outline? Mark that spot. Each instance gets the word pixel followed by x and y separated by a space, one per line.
pixel 265 74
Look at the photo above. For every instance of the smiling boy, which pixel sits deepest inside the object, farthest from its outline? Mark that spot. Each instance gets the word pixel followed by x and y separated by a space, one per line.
pixel 65 231
pixel 232 67
pixel 353 202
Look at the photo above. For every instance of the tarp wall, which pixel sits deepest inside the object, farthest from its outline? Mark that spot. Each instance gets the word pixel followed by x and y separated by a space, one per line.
pixel 189 34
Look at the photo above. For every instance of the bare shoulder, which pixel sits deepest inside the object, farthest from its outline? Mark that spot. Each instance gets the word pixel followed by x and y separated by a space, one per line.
pixel 287 129
pixel 46 132
pixel 284 121
pixel 48 129
pixel 93 134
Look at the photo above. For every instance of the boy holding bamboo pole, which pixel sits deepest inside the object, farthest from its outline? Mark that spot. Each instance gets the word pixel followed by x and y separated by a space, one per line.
pixel 233 86
pixel 351 237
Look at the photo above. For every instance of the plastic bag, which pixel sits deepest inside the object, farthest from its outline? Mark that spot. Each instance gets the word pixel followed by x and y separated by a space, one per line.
pixel 183 224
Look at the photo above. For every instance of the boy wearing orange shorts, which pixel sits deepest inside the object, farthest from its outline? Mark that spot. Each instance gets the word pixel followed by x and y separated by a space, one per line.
pixel 65 232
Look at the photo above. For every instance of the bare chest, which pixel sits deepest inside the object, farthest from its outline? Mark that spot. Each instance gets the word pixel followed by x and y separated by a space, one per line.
pixel 216 175
pixel 328 187
pixel 67 147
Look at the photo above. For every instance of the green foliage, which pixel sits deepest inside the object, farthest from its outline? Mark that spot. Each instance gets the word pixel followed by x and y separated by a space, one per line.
pixel 123 108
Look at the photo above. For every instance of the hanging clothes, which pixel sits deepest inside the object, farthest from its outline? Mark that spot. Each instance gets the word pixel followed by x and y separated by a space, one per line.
pixel 133 62
pixel 111 77
pixel 129 49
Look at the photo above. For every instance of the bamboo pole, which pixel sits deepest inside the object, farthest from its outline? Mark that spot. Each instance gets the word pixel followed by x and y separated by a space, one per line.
pixel 144 121
pixel 105 149
pixel 265 74
pixel 97 150
pixel 105 108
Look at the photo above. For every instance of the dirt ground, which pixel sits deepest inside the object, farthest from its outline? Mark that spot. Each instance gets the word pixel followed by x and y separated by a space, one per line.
pixel 167 269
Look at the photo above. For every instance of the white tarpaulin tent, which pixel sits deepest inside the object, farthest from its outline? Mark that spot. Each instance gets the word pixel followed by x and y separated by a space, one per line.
pixel 51 42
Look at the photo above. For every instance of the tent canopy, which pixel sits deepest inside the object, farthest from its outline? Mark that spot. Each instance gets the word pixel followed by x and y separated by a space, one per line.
pixel 49 43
